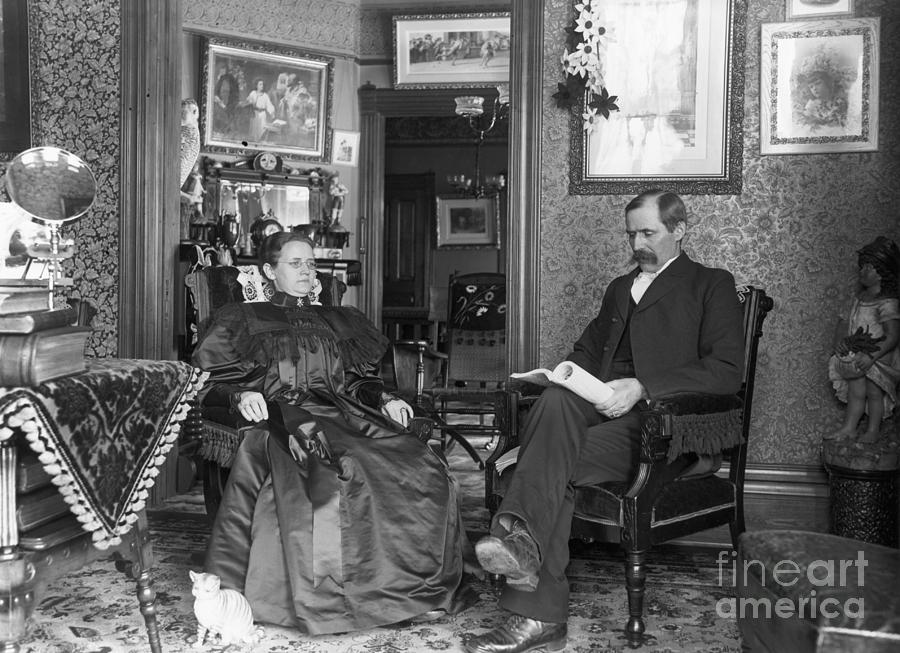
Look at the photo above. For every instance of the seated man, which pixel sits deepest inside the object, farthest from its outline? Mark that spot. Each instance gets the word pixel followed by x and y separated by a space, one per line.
pixel 670 325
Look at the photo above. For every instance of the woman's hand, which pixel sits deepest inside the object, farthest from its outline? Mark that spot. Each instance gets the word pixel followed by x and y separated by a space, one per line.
pixel 398 410
pixel 252 406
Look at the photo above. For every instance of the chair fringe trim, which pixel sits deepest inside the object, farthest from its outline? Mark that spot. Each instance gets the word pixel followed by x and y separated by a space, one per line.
pixel 705 434
pixel 219 446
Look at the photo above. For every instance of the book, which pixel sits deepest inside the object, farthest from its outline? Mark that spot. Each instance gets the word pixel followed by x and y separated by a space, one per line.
pixel 32 358
pixel 569 375
pixel 37 320
pixel 507 460
pixel 21 299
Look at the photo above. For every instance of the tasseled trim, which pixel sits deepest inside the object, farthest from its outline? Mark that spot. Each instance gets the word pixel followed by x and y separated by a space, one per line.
pixel 358 339
pixel 21 416
pixel 278 333
pixel 219 445
pixel 705 434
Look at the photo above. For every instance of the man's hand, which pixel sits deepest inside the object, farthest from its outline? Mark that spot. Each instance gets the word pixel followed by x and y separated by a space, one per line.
pixel 252 406
pixel 398 410
pixel 626 393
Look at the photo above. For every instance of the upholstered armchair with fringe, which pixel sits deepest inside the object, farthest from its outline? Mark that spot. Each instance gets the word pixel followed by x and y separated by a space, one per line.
pixel 690 476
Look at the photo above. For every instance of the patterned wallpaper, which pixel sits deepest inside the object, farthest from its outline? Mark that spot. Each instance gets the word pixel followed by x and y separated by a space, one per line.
pixel 331 26
pixel 75 76
pixel 793 230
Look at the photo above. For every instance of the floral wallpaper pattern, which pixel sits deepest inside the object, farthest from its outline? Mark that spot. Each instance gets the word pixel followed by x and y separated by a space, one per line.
pixel 75 77
pixel 331 26
pixel 793 230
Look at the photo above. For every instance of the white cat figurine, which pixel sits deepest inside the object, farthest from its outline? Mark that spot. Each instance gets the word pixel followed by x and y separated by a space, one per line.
pixel 221 612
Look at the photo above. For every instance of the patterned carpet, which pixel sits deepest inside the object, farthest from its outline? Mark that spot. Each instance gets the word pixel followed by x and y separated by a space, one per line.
pixel 95 610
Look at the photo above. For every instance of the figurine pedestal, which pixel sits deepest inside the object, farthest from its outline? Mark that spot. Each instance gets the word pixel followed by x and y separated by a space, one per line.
pixel 864 504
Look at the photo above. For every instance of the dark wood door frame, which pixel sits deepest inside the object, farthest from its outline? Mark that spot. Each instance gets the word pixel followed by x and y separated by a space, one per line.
pixel 523 216
pixel 150 215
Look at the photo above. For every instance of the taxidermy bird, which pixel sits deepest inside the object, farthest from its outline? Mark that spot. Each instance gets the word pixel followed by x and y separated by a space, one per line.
pixel 190 138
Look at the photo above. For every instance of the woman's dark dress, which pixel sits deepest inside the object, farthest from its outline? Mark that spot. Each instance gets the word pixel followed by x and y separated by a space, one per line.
pixel 334 518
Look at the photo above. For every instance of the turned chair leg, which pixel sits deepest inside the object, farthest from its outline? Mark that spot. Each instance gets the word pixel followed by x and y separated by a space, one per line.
pixel 635 580
pixel 138 566
pixel 146 596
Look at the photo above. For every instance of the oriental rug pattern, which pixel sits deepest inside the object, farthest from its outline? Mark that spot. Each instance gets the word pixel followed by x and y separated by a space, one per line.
pixel 95 611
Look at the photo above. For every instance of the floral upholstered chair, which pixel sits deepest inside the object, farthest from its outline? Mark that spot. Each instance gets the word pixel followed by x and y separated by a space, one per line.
pixel 473 377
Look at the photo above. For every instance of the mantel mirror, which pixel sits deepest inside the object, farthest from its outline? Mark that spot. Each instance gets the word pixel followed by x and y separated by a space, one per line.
pixel 236 197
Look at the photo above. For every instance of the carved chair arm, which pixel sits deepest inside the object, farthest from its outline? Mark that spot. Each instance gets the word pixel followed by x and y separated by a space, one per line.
pixel 518 405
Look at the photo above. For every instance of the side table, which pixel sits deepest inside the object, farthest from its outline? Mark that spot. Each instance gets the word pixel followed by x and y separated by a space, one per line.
pixel 100 437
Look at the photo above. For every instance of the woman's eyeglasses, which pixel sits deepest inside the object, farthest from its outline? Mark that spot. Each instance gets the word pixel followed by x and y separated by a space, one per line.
pixel 299 264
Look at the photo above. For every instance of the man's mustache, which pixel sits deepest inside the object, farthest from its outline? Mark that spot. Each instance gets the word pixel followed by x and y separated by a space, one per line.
pixel 643 256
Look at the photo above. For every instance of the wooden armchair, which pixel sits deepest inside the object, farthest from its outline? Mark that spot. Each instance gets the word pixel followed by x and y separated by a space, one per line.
pixel 661 502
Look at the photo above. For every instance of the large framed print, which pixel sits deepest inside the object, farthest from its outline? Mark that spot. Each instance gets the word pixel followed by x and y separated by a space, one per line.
pixel 817 8
pixel 465 222
pixel 819 86
pixel 15 92
pixel 677 67
pixel 263 97
pixel 451 50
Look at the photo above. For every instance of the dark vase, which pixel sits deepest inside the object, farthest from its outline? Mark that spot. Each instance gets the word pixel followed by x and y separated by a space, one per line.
pixel 229 230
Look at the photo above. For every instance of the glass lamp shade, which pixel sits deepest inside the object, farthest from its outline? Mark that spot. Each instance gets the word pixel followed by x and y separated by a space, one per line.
pixel 469 105
pixel 503 93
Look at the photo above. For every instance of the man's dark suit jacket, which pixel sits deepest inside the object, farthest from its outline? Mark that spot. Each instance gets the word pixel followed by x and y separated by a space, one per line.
pixel 686 332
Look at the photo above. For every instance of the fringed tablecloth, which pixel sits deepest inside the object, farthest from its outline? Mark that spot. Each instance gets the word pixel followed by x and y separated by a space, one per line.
pixel 103 434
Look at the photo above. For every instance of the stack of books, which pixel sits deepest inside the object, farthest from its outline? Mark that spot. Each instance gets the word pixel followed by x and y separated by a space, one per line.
pixel 37 343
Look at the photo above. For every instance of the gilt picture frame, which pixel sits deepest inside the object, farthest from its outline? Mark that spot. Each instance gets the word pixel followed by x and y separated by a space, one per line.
pixel 678 72
pixel 451 50
pixel 465 222
pixel 263 97
pixel 819 86
pixel 796 9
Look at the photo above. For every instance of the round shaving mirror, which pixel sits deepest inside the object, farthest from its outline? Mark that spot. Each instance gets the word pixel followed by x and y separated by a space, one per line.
pixel 52 185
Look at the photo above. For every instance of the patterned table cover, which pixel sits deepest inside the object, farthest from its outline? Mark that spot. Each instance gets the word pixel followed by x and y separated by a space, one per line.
pixel 103 434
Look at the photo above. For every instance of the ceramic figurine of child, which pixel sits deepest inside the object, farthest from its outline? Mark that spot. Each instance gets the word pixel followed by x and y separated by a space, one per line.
pixel 865 367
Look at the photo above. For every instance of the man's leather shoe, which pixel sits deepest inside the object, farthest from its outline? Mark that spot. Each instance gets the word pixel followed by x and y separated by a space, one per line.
pixel 514 556
pixel 520 634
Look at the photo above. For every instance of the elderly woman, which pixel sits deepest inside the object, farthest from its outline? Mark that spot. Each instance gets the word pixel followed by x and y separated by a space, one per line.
pixel 335 517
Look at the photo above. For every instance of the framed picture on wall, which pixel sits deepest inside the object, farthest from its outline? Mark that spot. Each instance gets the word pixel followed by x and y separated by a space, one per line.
pixel 818 8
pixel 345 148
pixel 468 222
pixel 677 69
pixel 262 97
pixel 819 86
pixel 451 50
